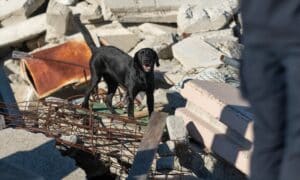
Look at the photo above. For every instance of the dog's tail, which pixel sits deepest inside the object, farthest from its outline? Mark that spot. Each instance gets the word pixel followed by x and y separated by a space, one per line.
pixel 85 32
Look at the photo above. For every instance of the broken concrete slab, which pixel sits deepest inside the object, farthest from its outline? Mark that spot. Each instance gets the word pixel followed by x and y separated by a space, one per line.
pixel 210 164
pixel 142 11
pixel 88 11
pixel 114 34
pixel 67 2
pixel 193 52
pixel 228 45
pixel 35 43
pixel 22 31
pixel 223 102
pixel 37 153
pixel 176 129
pixel 21 89
pixel 224 33
pixel 206 15
pixel 216 141
pixel 161 44
pixel 58 20
pixel 14 11
pixel 156 29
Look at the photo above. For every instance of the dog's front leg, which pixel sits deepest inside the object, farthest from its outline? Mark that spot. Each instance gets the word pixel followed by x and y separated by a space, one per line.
pixel 131 94
pixel 150 102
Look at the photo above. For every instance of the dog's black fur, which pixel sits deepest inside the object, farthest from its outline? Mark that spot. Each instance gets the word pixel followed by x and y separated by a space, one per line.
pixel 117 67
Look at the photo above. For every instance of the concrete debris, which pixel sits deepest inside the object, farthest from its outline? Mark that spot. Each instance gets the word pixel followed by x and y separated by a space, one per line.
pixel 22 31
pixel 114 34
pixel 37 154
pixel 156 29
pixel 216 140
pixel 193 52
pixel 14 11
pixel 2 122
pixel 58 20
pixel 142 11
pixel 67 2
pixel 88 11
pixel 229 46
pixel 210 165
pixel 176 129
pixel 21 88
pixel 189 36
pixel 222 102
pixel 71 138
pixel 205 16
pixel 161 44
pixel 35 43
pixel 226 33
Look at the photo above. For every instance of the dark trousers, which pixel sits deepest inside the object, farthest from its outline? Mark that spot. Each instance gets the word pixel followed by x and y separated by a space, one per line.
pixel 270 80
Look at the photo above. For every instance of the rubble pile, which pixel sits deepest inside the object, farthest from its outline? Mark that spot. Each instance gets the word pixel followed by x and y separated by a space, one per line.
pixel 196 41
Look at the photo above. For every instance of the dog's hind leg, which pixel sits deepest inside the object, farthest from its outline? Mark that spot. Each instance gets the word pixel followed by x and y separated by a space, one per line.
pixel 111 90
pixel 94 82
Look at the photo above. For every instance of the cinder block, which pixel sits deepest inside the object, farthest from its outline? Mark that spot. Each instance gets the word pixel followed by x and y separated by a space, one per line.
pixel 216 140
pixel 223 102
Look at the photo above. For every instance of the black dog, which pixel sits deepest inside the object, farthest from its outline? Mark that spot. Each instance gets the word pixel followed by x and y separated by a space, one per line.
pixel 117 67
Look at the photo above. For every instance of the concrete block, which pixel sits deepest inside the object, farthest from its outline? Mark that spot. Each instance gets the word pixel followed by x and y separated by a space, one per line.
pixel 142 10
pixel 88 11
pixel 223 102
pixel 2 122
pixel 37 153
pixel 14 11
pixel 156 29
pixel 70 138
pixel 206 15
pixel 216 140
pixel 165 163
pixel 166 149
pixel 67 2
pixel 22 31
pixel 115 34
pixel 193 52
pixel 228 45
pixel 161 44
pixel 58 20
pixel 224 33
pixel 176 128
pixel 21 89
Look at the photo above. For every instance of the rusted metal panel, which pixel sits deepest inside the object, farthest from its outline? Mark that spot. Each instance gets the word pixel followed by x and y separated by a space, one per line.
pixel 51 69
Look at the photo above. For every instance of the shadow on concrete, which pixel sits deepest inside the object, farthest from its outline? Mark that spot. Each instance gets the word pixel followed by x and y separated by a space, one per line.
pixel 43 161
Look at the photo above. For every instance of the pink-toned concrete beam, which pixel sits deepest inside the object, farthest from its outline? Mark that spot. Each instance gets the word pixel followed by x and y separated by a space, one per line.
pixel 216 140
pixel 223 102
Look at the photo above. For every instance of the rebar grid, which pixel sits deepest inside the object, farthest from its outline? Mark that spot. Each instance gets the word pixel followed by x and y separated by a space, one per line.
pixel 111 138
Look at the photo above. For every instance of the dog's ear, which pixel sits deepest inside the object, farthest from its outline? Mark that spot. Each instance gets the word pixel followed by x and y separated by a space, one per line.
pixel 136 61
pixel 156 58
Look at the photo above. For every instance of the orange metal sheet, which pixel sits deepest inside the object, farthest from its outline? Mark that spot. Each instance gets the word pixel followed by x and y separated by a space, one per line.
pixel 59 66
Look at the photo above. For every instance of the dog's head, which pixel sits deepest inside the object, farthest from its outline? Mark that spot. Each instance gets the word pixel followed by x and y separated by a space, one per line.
pixel 145 59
